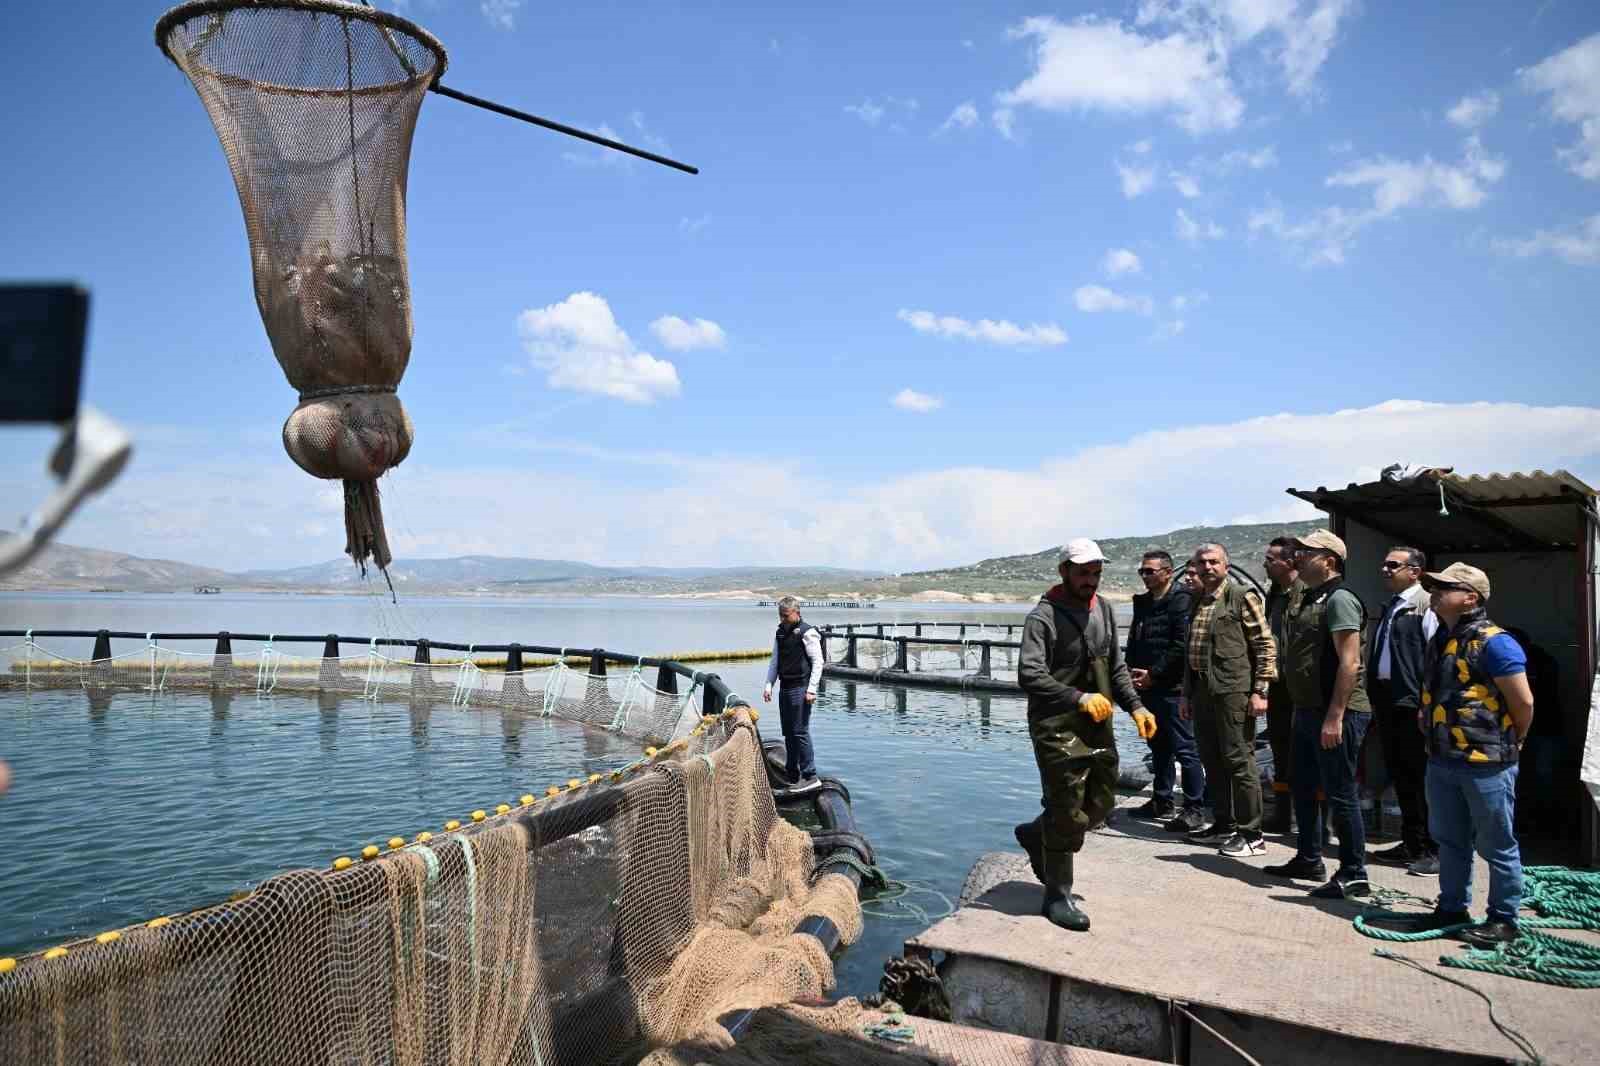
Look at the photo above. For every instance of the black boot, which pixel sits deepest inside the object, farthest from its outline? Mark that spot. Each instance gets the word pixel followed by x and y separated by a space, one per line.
pixel 1031 837
pixel 1058 905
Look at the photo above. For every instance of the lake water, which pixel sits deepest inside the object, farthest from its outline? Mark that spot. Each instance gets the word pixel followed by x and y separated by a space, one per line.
pixel 152 803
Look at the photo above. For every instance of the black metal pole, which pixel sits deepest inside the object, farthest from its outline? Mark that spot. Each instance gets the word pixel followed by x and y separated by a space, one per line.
pixel 560 127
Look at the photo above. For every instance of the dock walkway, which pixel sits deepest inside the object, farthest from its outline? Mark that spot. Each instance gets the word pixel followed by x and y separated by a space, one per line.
pixel 1284 976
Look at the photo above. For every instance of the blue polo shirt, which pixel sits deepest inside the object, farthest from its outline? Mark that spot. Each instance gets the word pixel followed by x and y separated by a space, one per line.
pixel 1502 656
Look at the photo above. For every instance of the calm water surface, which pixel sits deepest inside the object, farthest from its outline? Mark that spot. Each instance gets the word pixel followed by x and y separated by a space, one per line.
pixel 145 804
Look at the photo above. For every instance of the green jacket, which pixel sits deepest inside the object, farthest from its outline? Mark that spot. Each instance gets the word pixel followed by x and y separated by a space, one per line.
pixel 1226 649
pixel 1310 663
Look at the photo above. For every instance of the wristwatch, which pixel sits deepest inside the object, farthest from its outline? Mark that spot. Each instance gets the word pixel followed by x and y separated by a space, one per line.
pixel 1259 690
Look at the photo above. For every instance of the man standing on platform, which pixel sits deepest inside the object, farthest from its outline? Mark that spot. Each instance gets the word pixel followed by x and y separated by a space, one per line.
pixel 1394 711
pixel 1156 642
pixel 1477 708
pixel 1071 667
pixel 1323 671
pixel 797 667
pixel 1230 665
pixel 1282 596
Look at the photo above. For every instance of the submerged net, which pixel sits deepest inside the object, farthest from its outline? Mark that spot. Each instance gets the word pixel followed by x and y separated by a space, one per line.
pixel 623 914
pixel 315 103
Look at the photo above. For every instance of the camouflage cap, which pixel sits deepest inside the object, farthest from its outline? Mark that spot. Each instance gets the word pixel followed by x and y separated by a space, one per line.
pixel 1459 575
pixel 1323 539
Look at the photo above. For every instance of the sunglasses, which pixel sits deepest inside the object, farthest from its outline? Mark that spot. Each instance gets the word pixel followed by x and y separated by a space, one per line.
pixel 1151 571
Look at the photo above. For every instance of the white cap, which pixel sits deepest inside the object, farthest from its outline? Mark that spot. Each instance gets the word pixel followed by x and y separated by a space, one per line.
pixel 1082 550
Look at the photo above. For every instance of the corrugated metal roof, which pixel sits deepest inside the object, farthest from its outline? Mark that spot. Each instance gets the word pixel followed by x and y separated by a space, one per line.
pixel 1495 512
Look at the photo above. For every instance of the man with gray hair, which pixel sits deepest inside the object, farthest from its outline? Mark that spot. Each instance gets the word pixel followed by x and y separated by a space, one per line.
pixel 796 667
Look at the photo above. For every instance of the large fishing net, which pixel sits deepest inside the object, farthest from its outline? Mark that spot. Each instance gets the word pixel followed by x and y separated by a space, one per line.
pixel 315 102
pixel 622 914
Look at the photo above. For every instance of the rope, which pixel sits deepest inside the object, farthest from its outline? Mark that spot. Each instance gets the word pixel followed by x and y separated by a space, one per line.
pixel 1535 956
pixel 1235 1048
pixel 892 899
pixel 1522 1043
pixel 893 1028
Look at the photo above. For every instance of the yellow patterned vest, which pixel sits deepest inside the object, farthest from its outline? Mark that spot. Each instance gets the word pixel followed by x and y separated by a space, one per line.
pixel 1467 717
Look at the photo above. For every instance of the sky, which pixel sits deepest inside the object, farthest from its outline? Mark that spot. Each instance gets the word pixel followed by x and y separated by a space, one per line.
pixel 954 281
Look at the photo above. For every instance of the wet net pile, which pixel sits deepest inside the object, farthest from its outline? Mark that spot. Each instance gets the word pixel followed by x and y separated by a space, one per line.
pixel 315 103
pixel 622 913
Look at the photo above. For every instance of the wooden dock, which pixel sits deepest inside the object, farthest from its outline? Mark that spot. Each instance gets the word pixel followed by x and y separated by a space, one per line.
pixel 1182 933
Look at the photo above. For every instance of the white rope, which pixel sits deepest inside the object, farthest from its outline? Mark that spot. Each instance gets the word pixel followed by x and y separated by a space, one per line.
pixel 267 668
pixel 369 688
pixel 629 687
pixel 464 686
pixel 556 681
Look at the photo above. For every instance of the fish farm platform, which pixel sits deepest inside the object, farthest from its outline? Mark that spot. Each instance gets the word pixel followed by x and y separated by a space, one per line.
pixel 1184 938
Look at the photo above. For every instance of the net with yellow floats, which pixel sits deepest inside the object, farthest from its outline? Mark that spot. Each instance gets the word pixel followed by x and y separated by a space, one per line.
pixel 612 914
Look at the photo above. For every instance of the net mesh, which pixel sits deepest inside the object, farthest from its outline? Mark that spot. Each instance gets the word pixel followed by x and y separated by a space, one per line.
pixel 315 103
pixel 613 918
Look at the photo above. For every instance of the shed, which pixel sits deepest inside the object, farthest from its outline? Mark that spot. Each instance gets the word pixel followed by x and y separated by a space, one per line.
pixel 1535 535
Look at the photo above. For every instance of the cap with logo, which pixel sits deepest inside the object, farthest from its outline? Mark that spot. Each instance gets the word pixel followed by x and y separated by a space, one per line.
pixel 1324 540
pixel 1081 550
pixel 1459 575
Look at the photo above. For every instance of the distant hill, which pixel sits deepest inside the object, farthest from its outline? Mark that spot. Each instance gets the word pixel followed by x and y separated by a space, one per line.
pixel 61 566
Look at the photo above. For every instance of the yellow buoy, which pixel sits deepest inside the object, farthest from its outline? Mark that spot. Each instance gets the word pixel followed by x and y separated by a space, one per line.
pixel 593 778
pixel 755 715
pixel 157 923
pixel 479 815
pixel 650 753
pixel 504 808
pixel 55 953
pixel 452 825
pixel 7 964
pixel 424 836
pixel 526 799
pixel 396 843
pixel 573 782
pixel 108 938
pixel 553 790
pixel 370 851
pixel 342 862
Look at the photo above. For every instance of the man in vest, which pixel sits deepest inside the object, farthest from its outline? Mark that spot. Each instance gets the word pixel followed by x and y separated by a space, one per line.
pixel 1156 642
pixel 1230 664
pixel 1283 593
pixel 1323 670
pixel 1070 665
pixel 1404 750
pixel 1477 708
pixel 797 668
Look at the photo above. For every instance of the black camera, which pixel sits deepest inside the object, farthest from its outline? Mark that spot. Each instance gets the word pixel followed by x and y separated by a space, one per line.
pixel 41 351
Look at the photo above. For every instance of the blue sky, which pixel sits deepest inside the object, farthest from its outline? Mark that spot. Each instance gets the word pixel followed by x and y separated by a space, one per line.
pixel 953 282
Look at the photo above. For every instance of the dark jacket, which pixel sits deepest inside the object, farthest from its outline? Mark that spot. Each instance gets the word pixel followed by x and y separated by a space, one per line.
pixel 1408 657
pixel 1159 634
pixel 1053 668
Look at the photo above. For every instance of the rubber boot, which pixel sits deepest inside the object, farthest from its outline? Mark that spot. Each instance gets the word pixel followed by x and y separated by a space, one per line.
pixel 1058 905
pixel 1030 835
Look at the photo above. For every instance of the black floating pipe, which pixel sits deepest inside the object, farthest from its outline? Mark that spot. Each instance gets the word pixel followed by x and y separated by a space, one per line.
pixel 102 645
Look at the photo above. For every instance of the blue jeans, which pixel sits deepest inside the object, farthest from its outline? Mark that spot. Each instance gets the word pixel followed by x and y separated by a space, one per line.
pixel 1174 749
pixel 1334 771
pixel 1475 806
pixel 794 713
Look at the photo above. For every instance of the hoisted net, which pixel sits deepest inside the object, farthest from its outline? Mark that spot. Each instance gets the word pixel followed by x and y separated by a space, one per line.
pixel 315 103
pixel 616 917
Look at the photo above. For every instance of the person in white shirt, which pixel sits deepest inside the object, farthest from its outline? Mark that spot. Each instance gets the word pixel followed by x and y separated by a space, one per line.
pixel 1404 747
pixel 796 668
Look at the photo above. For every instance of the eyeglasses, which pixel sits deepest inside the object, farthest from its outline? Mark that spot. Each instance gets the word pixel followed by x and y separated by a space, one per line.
pixel 1389 564
pixel 1150 571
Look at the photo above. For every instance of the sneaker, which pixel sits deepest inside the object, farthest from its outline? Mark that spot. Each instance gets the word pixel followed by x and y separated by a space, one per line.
pixel 1212 835
pixel 1188 820
pixel 1299 868
pixel 1427 866
pixel 807 784
pixel 1344 886
pixel 1490 934
pixel 1400 855
pixel 1158 810
pixel 1241 846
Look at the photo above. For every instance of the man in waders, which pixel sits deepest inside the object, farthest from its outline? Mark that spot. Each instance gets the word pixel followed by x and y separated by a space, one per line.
pixel 1071 667
pixel 797 668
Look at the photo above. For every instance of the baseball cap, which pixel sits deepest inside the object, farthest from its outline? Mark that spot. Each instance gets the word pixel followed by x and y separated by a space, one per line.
pixel 1459 575
pixel 1323 539
pixel 1081 550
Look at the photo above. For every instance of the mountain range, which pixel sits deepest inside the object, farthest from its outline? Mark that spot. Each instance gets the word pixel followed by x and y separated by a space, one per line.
pixel 1010 577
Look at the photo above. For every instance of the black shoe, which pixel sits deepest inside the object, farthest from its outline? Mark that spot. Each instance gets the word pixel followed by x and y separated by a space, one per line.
pixel 1299 868
pixel 1240 846
pixel 1187 820
pixel 1031 839
pixel 1155 809
pixel 1343 886
pixel 1402 854
pixel 1427 866
pixel 1490 934
pixel 1062 910
pixel 1214 835
pixel 1438 920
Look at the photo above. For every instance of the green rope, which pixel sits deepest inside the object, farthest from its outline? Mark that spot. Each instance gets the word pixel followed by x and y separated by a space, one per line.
pixel 1523 1044
pixel 892 899
pixel 1534 956
pixel 893 1028
pixel 1561 898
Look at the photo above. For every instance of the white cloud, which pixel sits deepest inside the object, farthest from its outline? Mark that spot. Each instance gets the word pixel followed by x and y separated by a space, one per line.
pixel 1473 111
pixel 965 116
pixel 1005 120
pixel 1136 181
pixel 1295 35
pixel 684 336
pixel 1001 332
pixel 1344 147
pixel 1096 64
pixel 918 402
pixel 873 111
pixel 1572 78
pixel 691 226
pixel 1094 299
pixel 1186 300
pixel 1327 234
pixel 866 111
pixel 1119 261
pixel 1578 245
pixel 1185 184
pixel 580 346
pixel 1244 159
pixel 1140 147
pixel 1196 230
pixel 502 14
pixel 597 156
pixel 1166 331
pixel 173 506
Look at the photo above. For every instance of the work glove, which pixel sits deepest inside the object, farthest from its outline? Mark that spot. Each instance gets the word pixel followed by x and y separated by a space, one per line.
pixel 1146 722
pixel 1095 706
